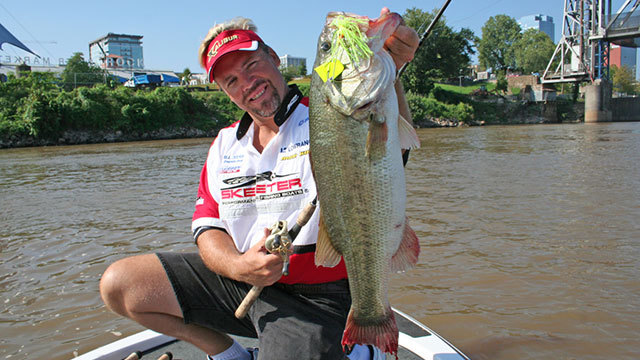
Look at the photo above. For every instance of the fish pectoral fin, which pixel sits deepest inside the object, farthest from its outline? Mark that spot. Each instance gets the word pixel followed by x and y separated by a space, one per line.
pixel 326 254
pixel 407 254
pixel 407 134
pixel 377 138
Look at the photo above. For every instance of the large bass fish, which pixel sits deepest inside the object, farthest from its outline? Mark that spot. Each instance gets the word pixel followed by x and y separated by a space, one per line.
pixel 356 136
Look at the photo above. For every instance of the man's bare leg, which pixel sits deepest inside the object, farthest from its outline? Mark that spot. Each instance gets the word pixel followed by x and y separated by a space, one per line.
pixel 138 288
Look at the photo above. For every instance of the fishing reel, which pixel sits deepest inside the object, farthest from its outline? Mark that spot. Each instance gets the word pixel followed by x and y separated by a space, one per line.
pixel 279 243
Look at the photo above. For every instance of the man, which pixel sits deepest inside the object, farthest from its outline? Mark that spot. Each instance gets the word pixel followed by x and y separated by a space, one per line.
pixel 257 172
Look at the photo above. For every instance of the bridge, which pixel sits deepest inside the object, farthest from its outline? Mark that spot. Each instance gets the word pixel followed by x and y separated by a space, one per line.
pixel 622 28
pixel 588 27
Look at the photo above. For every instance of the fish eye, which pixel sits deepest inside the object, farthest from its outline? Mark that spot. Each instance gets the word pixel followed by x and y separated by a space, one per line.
pixel 325 46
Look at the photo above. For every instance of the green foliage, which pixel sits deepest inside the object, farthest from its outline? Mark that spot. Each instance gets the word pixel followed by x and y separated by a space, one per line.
pixel 449 97
pixel 622 79
pixel 533 51
pixel 444 54
pixel 465 89
pixel 185 76
pixel 220 107
pixel 501 84
pixel 23 104
pixel 423 108
pixel 304 88
pixel 34 106
pixel 496 48
pixel 291 72
pixel 78 72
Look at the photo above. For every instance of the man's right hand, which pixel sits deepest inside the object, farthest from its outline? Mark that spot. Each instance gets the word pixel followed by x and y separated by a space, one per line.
pixel 257 266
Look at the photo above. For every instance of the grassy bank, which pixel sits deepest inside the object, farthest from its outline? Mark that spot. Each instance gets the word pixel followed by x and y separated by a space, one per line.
pixel 34 110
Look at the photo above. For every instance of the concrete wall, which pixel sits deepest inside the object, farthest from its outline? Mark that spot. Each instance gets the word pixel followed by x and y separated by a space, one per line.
pixel 522 81
pixel 625 109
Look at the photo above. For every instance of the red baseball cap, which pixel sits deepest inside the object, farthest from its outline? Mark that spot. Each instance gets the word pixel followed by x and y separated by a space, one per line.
pixel 229 41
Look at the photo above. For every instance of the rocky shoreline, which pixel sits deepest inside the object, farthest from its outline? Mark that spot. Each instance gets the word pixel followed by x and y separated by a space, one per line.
pixel 76 137
pixel 516 113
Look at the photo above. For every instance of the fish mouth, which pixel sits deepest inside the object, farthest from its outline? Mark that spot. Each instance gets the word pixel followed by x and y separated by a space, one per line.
pixel 365 107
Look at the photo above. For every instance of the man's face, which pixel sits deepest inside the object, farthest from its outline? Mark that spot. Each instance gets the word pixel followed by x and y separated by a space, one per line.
pixel 252 81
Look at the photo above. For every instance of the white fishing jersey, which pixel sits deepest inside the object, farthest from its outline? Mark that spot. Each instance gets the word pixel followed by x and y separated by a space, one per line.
pixel 243 191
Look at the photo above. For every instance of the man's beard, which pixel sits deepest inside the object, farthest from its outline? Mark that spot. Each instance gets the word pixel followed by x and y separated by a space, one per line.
pixel 269 107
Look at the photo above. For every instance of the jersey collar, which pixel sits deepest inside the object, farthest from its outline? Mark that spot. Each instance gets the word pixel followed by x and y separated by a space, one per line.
pixel 285 110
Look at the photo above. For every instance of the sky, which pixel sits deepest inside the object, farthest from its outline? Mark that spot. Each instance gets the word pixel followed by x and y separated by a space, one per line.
pixel 172 30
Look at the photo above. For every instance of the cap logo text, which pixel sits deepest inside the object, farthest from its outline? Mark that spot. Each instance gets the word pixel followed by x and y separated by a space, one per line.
pixel 214 49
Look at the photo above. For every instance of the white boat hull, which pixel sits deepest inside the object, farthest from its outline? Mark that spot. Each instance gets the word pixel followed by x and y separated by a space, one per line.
pixel 415 339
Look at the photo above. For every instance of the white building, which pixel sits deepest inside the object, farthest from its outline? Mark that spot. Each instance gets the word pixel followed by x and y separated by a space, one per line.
pixel 288 61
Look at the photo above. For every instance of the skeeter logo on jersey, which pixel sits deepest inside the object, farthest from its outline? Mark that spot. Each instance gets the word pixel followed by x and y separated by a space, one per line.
pixel 249 187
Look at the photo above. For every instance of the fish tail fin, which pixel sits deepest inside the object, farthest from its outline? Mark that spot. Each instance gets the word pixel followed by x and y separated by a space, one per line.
pixel 382 334
pixel 407 254
pixel 407 134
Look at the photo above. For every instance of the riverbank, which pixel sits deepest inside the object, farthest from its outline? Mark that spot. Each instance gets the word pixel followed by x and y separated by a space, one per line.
pixel 496 112
pixel 36 112
pixel 502 111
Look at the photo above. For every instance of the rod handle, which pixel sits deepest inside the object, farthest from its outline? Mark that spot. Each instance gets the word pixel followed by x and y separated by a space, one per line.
pixel 248 300
pixel 134 356
pixel 166 356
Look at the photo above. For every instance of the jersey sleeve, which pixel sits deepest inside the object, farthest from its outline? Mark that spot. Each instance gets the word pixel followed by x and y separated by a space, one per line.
pixel 206 214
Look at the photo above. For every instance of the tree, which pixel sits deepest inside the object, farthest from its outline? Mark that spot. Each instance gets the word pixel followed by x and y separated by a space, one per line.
pixel 622 79
pixel 289 73
pixel 302 69
pixel 185 76
pixel 533 51
pixel 444 54
pixel 501 84
pixel 496 48
pixel 78 72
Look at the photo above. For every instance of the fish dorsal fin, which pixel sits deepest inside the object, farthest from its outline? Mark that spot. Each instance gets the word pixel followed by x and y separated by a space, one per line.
pixel 407 135
pixel 326 254
pixel 407 254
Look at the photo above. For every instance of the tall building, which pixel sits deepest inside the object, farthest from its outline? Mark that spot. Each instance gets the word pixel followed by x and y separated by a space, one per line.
pixel 117 51
pixel 540 22
pixel 288 60
pixel 623 56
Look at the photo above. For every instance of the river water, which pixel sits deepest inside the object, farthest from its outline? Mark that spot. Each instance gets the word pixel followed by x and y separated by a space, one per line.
pixel 530 238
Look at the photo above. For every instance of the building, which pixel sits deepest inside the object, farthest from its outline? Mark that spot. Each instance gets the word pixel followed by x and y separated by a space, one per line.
pixel 624 56
pixel 540 22
pixel 117 51
pixel 288 61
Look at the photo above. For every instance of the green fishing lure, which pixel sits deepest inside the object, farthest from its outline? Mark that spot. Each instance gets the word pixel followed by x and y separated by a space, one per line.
pixel 349 39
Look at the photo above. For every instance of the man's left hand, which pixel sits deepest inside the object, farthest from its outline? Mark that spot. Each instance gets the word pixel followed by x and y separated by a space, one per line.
pixel 402 44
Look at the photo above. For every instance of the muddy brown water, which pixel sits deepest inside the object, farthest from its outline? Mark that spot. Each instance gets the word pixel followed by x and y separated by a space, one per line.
pixel 530 238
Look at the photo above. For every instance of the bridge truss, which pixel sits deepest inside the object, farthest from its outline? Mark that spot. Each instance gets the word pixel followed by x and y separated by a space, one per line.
pixel 588 27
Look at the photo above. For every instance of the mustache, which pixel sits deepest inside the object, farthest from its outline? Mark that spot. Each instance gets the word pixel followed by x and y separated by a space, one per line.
pixel 253 88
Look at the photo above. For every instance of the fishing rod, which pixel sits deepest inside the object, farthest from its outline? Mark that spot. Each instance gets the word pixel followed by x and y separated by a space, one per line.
pixel 425 34
pixel 279 242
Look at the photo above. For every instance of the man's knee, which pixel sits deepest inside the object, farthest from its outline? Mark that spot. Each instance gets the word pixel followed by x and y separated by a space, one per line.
pixel 112 287
pixel 138 284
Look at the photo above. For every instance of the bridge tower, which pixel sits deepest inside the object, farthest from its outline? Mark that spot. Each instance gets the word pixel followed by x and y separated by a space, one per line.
pixel 582 55
pixel 577 57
